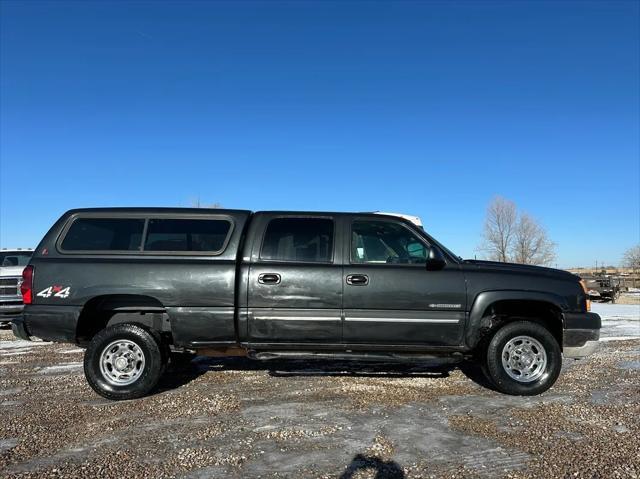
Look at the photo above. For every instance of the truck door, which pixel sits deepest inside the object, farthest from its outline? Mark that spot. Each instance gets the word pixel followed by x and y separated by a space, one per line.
pixel 390 297
pixel 295 281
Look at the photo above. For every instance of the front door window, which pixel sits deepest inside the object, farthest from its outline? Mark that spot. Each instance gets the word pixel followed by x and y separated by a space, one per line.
pixel 382 242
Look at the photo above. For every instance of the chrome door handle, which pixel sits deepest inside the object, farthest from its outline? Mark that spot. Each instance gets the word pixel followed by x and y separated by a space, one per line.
pixel 357 279
pixel 269 278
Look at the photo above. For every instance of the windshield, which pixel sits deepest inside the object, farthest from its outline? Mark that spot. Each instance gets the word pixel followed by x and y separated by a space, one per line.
pixel 15 258
pixel 446 250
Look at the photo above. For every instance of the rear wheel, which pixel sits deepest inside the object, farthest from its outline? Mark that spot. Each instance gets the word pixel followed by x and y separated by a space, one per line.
pixel 124 361
pixel 523 358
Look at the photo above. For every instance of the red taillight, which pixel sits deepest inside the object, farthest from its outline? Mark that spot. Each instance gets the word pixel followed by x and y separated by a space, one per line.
pixel 26 287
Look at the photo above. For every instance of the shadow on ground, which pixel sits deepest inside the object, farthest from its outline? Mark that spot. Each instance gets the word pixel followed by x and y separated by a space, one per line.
pixel 383 469
pixel 180 373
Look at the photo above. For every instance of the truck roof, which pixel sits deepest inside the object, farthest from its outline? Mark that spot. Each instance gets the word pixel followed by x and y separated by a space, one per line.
pixel 154 209
pixel 187 210
pixel 414 219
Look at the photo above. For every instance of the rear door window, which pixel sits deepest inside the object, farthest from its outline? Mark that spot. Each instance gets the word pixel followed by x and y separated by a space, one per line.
pixel 104 234
pixel 205 235
pixel 298 239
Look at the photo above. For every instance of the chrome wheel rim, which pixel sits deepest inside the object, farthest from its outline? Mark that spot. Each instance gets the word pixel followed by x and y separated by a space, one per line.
pixel 524 359
pixel 122 362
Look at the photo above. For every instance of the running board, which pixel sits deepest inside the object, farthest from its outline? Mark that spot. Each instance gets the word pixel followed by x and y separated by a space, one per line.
pixel 453 358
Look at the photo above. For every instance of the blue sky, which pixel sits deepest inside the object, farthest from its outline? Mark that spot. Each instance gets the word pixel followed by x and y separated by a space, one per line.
pixel 427 108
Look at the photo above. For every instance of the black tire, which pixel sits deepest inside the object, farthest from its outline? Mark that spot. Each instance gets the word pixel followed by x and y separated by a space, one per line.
pixel 496 372
pixel 155 360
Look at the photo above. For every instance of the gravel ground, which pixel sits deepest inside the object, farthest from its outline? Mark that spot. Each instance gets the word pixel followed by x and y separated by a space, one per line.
pixel 236 418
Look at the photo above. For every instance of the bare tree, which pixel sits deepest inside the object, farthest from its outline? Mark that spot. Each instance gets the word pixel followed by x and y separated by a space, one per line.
pixel 631 259
pixel 499 227
pixel 531 244
pixel 512 236
pixel 196 203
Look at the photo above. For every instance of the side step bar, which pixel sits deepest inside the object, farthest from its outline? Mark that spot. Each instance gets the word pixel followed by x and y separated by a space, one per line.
pixel 360 356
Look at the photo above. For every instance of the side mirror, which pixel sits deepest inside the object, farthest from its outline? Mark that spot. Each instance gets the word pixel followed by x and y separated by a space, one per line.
pixel 435 259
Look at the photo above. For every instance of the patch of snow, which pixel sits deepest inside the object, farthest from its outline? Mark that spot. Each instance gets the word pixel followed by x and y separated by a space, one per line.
pixel 9 443
pixel 21 344
pixel 60 368
pixel 619 321
pixel 8 392
pixel 617 311
pixel 618 338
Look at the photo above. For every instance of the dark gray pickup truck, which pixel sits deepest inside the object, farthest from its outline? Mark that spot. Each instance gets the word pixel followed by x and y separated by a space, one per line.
pixel 137 285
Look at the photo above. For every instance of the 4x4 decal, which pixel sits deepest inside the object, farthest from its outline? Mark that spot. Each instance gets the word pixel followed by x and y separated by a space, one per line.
pixel 55 291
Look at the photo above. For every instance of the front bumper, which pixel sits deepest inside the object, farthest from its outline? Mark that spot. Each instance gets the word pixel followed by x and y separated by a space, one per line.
pixel 581 334
pixel 583 351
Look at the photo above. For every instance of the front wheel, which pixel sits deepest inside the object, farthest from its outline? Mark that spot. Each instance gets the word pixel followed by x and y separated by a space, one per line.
pixel 124 361
pixel 523 359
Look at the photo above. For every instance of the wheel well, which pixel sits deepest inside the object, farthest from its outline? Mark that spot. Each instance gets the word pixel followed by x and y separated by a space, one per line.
pixel 543 313
pixel 102 311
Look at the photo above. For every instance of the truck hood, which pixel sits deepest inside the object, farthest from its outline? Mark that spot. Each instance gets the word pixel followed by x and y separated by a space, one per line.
pixel 11 270
pixel 495 266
